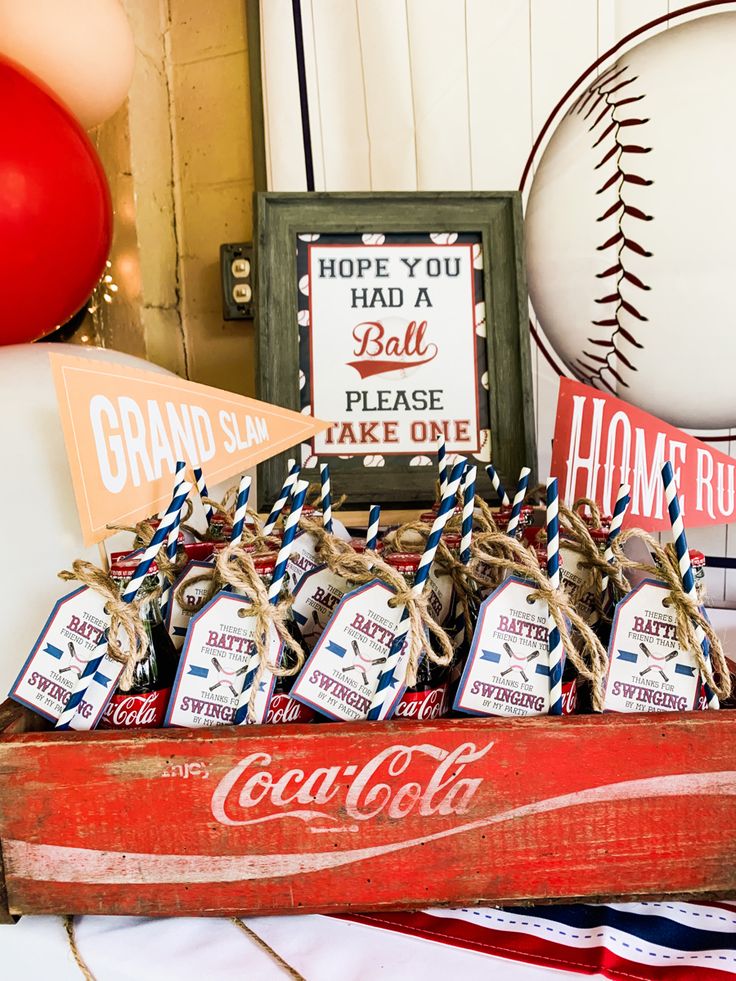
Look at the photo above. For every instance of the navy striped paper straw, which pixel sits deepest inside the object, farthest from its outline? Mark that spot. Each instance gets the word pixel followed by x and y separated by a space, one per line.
pixel 326 496
pixel 203 492
pixel 68 716
pixel 241 510
pixel 623 499
pixel 274 591
pixel 468 510
pixel 553 574
pixel 384 695
pixel 497 485
pixel 521 489
pixel 283 497
pixel 442 464
pixel 683 559
pixel 374 518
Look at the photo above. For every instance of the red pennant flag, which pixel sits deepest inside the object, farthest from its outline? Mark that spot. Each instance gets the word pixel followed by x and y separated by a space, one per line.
pixel 601 442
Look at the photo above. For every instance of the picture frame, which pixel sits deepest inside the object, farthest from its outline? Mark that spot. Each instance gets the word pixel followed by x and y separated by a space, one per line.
pixel 310 298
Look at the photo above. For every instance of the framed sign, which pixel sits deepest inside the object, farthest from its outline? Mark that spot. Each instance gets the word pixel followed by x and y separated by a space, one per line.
pixel 396 332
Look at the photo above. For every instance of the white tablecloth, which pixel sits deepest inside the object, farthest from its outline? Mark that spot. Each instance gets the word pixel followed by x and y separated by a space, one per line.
pixel 320 948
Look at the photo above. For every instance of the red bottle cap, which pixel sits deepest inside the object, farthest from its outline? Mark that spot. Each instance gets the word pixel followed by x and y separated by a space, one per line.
pixel 265 563
pixel 124 564
pixel 452 540
pixel 697 559
pixel 404 561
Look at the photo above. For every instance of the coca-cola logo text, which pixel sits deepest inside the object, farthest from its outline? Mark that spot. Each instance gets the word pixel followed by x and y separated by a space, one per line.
pixel 424 705
pixel 136 711
pixel 254 791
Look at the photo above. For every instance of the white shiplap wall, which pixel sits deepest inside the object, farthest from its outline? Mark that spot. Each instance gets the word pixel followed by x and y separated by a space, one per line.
pixel 445 95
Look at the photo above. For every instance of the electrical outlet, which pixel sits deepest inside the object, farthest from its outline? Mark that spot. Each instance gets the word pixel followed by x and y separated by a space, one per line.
pixel 237 274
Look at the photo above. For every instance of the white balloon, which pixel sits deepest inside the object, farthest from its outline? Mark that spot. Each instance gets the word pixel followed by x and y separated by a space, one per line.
pixel 82 49
pixel 41 533
pixel 629 227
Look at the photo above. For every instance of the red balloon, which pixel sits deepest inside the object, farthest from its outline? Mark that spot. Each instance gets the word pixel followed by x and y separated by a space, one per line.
pixel 55 210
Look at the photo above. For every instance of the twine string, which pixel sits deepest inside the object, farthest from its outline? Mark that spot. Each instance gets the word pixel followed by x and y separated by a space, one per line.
pixel 495 556
pixel 688 615
pixel 235 568
pixel 361 568
pixel 124 617
pixel 580 541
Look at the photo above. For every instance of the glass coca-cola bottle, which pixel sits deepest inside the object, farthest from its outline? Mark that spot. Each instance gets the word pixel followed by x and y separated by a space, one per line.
pixel 143 706
pixel 282 707
pixel 429 698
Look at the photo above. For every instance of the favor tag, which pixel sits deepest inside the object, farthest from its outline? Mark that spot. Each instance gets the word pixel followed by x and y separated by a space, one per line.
pixel 218 648
pixel 578 581
pixel 341 675
pixel 302 559
pixel 178 617
pixel 507 671
pixel 440 591
pixel 314 602
pixel 647 670
pixel 69 639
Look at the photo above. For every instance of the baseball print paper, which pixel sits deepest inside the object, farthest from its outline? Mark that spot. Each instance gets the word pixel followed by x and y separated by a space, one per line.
pixel 125 428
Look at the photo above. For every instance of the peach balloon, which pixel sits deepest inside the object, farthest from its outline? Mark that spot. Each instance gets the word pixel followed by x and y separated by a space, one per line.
pixel 82 49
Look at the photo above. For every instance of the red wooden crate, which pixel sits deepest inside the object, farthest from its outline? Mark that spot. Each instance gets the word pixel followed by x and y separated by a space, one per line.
pixel 364 816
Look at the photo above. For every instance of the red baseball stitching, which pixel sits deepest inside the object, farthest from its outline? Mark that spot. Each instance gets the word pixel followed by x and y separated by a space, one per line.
pixel 600 104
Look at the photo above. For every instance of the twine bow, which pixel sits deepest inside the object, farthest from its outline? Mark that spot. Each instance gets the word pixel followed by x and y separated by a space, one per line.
pixel 687 610
pixel 581 541
pixel 361 568
pixel 235 568
pixel 124 617
pixel 495 555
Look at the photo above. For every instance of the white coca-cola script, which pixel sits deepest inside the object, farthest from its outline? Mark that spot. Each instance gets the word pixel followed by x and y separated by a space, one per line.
pixel 254 791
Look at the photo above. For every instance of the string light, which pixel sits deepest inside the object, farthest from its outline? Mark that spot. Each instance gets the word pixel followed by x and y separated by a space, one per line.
pixel 105 290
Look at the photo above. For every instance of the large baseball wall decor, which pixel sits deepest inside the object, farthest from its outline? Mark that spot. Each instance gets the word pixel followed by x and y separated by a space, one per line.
pixel 629 228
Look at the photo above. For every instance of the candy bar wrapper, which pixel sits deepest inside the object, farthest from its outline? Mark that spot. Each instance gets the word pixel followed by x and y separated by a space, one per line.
pixel 302 559
pixel 648 671
pixel 507 670
pixel 341 675
pixel 314 601
pixel 70 638
pixel 218 651
pixel 177 616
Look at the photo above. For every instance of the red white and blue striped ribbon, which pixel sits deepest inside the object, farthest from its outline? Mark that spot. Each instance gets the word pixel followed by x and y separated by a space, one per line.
pixel 384 695
pixel 649 941
pixel 326 497
pixel 553 574
pixel 521 489
pixel 274 591
pixel 69 718
pixel 374 519
pixel 683 560
pixel 241 510
pixel 284 494
pixel 497 485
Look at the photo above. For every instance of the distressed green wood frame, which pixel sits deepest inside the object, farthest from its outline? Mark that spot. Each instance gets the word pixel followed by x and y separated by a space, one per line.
pixel 497 217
